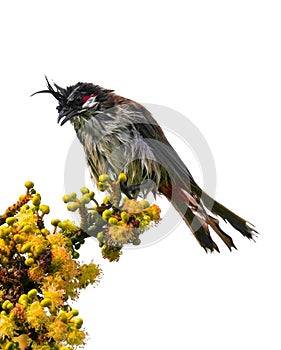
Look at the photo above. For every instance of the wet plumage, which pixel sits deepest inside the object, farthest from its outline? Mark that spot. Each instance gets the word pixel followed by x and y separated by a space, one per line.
pixel 120 135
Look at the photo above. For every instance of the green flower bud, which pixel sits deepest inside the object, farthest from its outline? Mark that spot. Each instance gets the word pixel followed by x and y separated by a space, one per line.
pixel 29 262
pixel 26 247
pixel 122 177
pixel 72 196
pixel 75 255
pixel 32 293
pixel 23 299
pixel 26 228
pixel 65 198
pixel 4 232
pixel 106 214
pixel 78 322
pixel 73 206
pixel 85 199
pixel 46 302
pixel 63 316
pixel 55 222
pixel 91 194
pixel 5 304
pixel 125 216
pixel 29 185
pixel 112 221
pixel 10 221
pixel 136 241
pixel 101 186
pixel 104 178
pixel 18 238
pixel 84 190
pixel 107 200
pixel 74 312
pixel 36 200
pixel 100 236
pixel 45 232
pixel 37 251
pixel 144 204
pixel 45 209
pixel 9 306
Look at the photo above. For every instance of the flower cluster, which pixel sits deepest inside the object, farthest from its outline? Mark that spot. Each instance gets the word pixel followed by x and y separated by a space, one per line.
pixel 119 220
pixel 39 268
pixel 39 274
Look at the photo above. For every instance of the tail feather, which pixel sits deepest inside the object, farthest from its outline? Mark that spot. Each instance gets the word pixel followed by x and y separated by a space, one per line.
pixel 191 205
pixel 241 225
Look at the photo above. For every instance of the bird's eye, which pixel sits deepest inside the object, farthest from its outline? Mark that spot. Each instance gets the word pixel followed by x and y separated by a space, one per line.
pixel 78 100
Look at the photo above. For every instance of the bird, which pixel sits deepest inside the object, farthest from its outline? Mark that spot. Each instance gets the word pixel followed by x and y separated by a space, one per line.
pixel 120 135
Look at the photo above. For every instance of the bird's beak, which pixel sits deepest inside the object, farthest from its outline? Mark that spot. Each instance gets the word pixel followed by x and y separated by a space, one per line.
pixel 67 114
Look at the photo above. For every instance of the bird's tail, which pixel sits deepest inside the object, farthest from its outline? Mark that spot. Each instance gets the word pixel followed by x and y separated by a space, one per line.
pixel 193 206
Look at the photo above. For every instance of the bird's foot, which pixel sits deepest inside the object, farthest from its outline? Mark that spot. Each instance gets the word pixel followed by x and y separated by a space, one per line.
pixel 132 191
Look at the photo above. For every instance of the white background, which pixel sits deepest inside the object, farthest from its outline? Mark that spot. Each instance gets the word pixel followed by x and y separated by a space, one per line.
pixel 218 63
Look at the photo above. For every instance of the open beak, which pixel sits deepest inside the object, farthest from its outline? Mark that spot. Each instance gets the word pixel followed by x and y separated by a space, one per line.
pixel 67 114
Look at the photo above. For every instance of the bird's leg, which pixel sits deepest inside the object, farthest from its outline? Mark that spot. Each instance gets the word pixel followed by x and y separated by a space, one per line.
pixel 132 191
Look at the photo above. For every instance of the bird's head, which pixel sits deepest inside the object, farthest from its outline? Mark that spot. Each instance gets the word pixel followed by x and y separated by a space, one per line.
pixel 76 100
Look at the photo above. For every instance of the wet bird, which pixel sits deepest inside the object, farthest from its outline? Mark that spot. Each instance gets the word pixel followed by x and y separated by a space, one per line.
pixel 120 135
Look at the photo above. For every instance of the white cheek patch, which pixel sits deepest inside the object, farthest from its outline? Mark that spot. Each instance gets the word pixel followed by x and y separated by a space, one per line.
pixel 90 102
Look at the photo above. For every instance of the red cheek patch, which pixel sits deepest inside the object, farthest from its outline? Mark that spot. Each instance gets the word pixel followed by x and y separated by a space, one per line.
pixel 85 98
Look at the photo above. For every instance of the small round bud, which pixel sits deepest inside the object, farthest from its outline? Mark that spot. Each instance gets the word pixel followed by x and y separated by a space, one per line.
pixel 85 199
pixel 32 293
pixel 18 238
pixel 106 214
pixel 78 322
pixel 101 186
pixel 46 302
pixel 104 178
pixel 122 177
pixel 75 255
pixel 73 206
pixel 125 216
pixel 107 200
pixel 26 247
pixel 29 262
pixel 84 190
pixel 29 185
pixel 55 222
pixel 65 198
pixel 91 194
pixel 45 232
pixel 36 200
pixel 74 312
pixel 26 228
pixel 72 196
pixel 100 236
pixel 10 221
pixel 63 316
pixel 144 204
pixel 112 221
pixel 136 241
pixel 45 209
pixel 23 299
pixel 7 305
